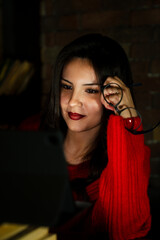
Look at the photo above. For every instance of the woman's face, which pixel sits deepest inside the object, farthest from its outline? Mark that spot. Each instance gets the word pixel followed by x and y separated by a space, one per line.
pixel 80 101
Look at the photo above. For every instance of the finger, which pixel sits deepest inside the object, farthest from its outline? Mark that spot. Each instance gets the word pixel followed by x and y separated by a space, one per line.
pixel 113 99
pixel 127 98
pixel 121 83
pixel 116 80
pixel 112 93
pixel 106 105
pixel 112 88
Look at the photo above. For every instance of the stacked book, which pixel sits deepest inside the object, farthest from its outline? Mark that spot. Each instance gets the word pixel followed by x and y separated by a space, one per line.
pixel 15 231
pixel 15 76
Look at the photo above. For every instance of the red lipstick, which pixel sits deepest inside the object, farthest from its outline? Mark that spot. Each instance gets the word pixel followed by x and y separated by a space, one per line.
pixel 75 116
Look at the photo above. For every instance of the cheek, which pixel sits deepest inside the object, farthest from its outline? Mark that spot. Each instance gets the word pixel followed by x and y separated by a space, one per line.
pixel 95 107
pixel 64 98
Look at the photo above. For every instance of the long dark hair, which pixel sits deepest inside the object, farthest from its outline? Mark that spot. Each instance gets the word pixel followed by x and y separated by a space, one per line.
pixel 108 59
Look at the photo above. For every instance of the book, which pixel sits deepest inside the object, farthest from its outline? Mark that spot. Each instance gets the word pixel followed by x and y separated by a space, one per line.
pixel 8 230
pixel 36 234
pixel 5 67
pixel 51 237
pixel 25 81
pixel 15 77
pixel 25 232
pixel 9 76
pixel 19 81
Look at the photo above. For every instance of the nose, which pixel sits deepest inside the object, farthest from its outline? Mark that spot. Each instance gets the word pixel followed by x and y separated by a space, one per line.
pixel 76 100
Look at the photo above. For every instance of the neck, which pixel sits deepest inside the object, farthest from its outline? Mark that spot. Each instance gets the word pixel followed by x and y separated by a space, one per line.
pixel 77 144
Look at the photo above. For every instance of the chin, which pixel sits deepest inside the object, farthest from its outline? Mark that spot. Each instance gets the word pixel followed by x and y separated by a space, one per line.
pixel 76 129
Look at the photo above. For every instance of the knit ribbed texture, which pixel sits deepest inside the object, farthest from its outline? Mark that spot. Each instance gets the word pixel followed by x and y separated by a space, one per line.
pixel 78 171
pixel 122 205
pixel 123 208
pixel 82 171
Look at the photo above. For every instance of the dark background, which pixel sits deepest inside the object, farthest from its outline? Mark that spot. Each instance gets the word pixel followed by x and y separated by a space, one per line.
pixel 19 39
pixel 37 30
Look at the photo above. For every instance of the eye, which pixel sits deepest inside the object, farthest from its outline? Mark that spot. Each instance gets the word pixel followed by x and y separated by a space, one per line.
pixel 92 91
pixel 65 86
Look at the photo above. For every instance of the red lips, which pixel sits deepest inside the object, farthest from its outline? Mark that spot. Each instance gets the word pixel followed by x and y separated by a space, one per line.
pixel 75 116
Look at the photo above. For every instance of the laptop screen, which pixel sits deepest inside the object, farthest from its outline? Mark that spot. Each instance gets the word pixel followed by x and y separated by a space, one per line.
pixel 34 179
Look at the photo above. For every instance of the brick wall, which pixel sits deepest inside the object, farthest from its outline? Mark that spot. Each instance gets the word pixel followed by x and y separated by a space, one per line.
pixel 134 24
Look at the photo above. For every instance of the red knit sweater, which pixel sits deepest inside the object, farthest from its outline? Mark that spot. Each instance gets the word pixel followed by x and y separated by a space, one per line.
pixel 121 205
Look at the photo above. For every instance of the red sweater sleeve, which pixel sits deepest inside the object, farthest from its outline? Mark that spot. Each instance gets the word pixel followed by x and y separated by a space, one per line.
pixel 123 206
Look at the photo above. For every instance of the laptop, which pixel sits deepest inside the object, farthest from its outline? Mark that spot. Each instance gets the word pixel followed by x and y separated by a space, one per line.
pixel 34 183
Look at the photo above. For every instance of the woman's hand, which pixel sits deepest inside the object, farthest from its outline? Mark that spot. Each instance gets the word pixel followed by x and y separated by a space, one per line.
pixel 113 96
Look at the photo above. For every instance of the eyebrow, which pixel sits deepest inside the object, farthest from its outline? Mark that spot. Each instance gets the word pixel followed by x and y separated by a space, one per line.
pixel 65 80
pixel 86 84
pixel 92 84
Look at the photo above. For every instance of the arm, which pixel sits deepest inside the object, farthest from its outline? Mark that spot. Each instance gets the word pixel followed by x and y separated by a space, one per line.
pixel 123 205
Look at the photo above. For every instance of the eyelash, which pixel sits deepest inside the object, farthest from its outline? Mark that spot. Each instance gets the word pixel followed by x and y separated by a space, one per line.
pixel 65 86
pixel 89 90
pixel 92 91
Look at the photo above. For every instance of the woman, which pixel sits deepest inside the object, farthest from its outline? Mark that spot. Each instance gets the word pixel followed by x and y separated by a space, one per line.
pixel 108 165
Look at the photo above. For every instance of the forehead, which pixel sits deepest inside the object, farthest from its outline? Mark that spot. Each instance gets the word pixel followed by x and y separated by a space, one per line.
pixel 79 69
